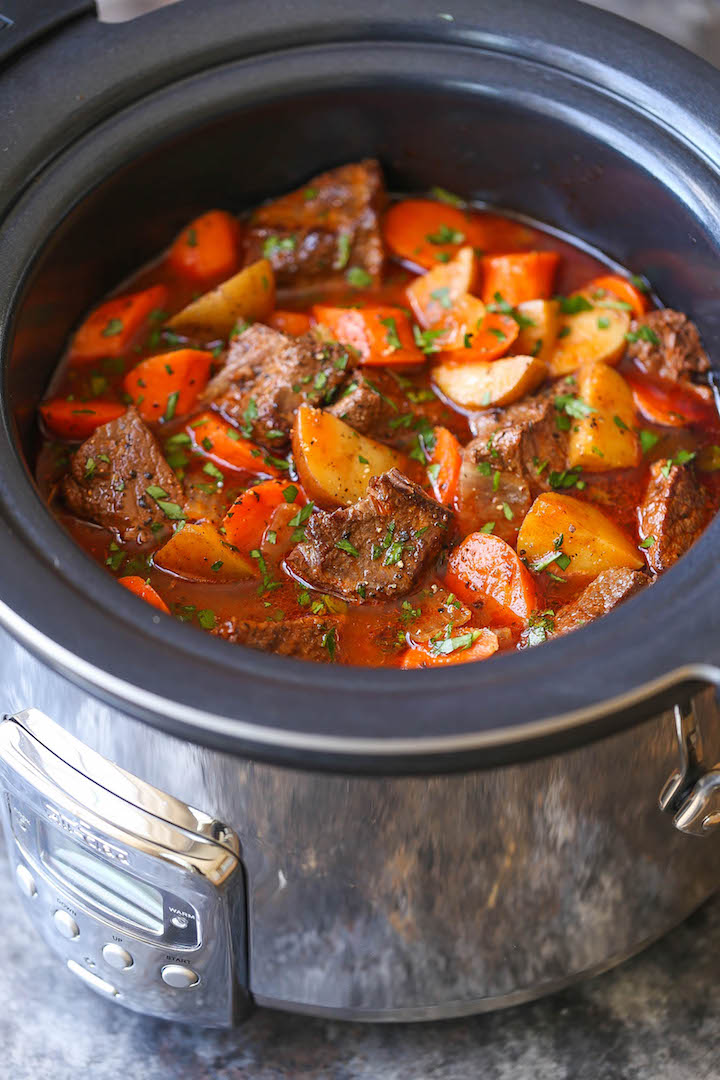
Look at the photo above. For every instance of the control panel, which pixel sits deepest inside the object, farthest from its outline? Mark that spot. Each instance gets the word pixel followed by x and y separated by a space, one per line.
pixel 141 896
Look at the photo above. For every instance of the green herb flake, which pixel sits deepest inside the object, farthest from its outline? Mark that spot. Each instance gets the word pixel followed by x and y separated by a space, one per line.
pixel 647 542
pixel 488 527
pixel 207 619
pixel 447 197
pixel 445 235
pixel 171 406
pixel 643 333
pixel 275 245
pixel 391 336
pixel 442 297
pixel 345 545
pixel 112 328
pixel 648 439
pixel 358 278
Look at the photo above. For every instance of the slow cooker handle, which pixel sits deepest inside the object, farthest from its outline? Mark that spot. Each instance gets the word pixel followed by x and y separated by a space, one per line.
pixel 692 793
pixel 141 895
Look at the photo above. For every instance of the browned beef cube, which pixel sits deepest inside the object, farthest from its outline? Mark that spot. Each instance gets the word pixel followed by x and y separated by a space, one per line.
pixel 324 228
pixel 379 548
pixel 511 459
pixel 119 479
pixel 307 638
pixel 603 594
pixel 678 353
pixel 370 405
pixel 267 375
pixel 672 514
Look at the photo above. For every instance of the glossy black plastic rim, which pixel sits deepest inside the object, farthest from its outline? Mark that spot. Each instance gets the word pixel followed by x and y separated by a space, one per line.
pixel 610 674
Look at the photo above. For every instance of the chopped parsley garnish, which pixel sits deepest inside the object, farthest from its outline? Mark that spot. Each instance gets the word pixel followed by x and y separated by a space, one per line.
pixel 503 307
pixel 573 305
pixel 488 527
pixel 392 332
pixel 212 470
pixel 343 252
pixel 433 472
pixel 89 468
pixel 216 566
pixel 345 545
pixel 447 197
pixel 329 642
pixel 358 278
pixel 648 439
pixel 556 557
pixel 497 333
pixel 619 422
pixel 456 644
pixel 643 333
pixel 564 332
pixel 170 509
pixel 603 323
pixel 206 618
pixel 647 542
pixel 310 193
pixel 363 460
pixel 290 493
pixel 250 414
pixel 507 511
pixel 112 327
pixel 191 238
pixel 681 458
pixel 272 245
pixel 409 613
pixel 639 283
pixel 426 340
pixel 445 235
pixel 442 297
pixel 540 625
pixel 179 439
pixel 566 479
pixel 171 405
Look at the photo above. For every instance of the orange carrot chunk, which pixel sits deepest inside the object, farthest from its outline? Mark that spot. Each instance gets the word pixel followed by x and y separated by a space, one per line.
pixel 250 515
pixel 208 249
pixel 612 286
pixel 145 591
pixel 215 438
pixel 424 232
pixel 516 278
pixel 290 322
pixel 380 335
pixel 444 466
pixel 484 568
pixel 667 403
pixel 169 384
pixel 112 328
pixel 78 419
pixel 466 645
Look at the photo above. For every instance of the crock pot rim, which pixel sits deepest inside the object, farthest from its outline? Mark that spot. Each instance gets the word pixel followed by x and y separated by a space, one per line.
pixel 383 751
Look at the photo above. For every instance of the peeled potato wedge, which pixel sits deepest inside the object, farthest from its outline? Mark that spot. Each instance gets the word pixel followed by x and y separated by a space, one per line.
pixel 480 384
pixel 194 550
pixel 592 541
pixel 249 295
pixel 589 336
pixel 605 438
pixel 431 296
pixel 539 339
pixel 334 462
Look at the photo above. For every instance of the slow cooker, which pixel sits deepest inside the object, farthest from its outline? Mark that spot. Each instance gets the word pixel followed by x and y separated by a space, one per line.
pixel 196 827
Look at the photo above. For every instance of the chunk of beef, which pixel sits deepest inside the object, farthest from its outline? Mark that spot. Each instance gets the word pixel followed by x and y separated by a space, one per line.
pixel 370 405
pixel 679 352
pixel 306 638
pixel 325 227
pixel 380 547
pixel 268 374
pixel 609 589
pixel 673 513
pixel 511 459
pixel 110 475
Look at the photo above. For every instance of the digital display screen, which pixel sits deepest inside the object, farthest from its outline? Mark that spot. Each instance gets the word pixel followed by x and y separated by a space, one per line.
pixel 109 887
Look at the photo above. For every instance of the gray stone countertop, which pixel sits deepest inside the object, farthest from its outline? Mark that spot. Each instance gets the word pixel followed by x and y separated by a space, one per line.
pixel 657 1016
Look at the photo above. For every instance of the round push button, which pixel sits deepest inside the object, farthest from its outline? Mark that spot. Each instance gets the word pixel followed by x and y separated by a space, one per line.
pixel 117 957
pixel 66 925
pixel 181 978
pixel 26 881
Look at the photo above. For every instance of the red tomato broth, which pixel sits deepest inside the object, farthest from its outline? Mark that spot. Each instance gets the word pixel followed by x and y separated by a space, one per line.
pixel 373 634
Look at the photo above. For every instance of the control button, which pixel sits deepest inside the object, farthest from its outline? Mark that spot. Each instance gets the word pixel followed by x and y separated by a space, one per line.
pixel 117 957
pixel 181 978
pixel 66 925
pixel 92 980
pixel 179 922
pixel 26 881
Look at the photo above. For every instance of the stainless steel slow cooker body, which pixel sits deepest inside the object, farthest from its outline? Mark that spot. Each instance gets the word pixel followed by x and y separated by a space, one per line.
pixel 529 848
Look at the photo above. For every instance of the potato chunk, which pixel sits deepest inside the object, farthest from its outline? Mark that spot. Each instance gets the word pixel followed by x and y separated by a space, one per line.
pixel 604 439
pixel 431 296
pixel 249 295
pixel 335 462
pixel 199 553
pixel 589 335
pixel 592 542
pixel 480 384
pixel 539 338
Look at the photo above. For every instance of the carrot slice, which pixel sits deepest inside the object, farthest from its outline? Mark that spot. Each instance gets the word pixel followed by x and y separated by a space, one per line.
pixel 290 322
pixel 667 403
pixel 484 568
pixel 208 249
pixel 78 419
pixel 444 466
pixel 169 384
pixel 145 591
pixel 516 278
pixel 425 232
pixel 250 515
pixel 621 289
pixel 112 328
pixel 380 335
pixel 215 438
pixel 483 646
